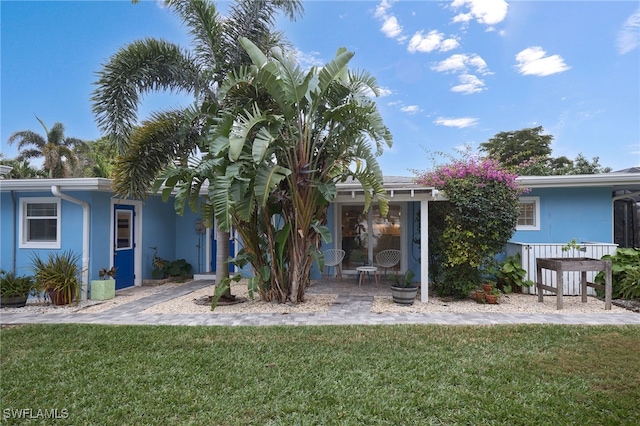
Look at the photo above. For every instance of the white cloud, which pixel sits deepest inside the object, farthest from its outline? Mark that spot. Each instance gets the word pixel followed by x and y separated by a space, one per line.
pixel 308 60
pixel 461 63
pixel 390 27
pixel 532 61
pixel 629 34
pixel 456 122
pixel 434 40
pixel 468 84
pixel 411 109
pixel 381 9
pixel 489 12
pixel 385 91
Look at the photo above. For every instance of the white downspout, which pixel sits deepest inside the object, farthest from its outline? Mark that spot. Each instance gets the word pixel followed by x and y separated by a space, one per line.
pixel 55 190
pixel 424 250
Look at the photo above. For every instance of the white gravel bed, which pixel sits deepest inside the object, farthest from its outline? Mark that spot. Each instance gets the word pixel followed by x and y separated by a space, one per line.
pixel 42 306
pixel 316 303
pixel 319 303
pixel 507 303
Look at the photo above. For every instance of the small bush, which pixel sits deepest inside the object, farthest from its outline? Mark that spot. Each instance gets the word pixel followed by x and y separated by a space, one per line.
pixel 625 268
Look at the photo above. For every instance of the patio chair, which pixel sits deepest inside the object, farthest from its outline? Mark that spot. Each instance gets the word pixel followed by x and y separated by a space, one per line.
pixel 333 257
pixel 389 259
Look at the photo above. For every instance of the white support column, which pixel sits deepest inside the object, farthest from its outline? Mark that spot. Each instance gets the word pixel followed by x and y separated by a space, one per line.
pixel 424 251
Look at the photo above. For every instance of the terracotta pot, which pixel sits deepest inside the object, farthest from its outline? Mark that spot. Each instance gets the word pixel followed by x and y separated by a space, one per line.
pixel 492 299
pixel 480 296
pixel 487 288
pixel 60 298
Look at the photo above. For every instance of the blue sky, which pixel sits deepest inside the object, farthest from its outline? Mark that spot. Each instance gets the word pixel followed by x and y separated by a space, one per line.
pixel 452 72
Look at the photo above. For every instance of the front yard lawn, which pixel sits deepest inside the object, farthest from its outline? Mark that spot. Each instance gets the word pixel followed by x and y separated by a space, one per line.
pixel 346 375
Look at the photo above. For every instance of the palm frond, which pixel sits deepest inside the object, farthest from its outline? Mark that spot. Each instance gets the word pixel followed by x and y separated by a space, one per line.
pixel 159 142
pixel 141 67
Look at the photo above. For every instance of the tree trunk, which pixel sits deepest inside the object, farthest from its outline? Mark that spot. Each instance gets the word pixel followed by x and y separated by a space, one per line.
pixel 222 254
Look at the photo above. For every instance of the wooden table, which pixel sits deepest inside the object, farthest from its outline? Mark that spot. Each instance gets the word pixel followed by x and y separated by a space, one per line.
pixel 581 264
pixel 367 270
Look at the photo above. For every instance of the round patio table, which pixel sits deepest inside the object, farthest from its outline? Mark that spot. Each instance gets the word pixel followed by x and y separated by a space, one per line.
pixel 367 270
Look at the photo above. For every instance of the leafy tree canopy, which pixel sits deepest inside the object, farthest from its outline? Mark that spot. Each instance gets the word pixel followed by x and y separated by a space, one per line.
pixel 527 152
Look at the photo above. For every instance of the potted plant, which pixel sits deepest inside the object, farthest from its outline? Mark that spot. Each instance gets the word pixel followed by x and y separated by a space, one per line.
pixel 105 287
pixel 479 295
pixel 14 290
pixel 403 290
pixel 488 286
pixel 492 297
pixel 58 276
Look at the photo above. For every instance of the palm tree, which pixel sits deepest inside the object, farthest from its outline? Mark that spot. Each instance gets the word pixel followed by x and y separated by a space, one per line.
pixel 152 65
pixel 283 141
pixel 55 148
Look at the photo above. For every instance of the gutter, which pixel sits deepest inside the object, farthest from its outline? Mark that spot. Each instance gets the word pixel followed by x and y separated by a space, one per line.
pixel 55 190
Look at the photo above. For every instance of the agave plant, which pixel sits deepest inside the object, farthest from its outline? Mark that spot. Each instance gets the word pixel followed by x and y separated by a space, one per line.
pixel 58 274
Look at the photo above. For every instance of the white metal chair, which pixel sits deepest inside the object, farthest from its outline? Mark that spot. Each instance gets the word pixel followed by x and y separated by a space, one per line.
pixel 333 257
pixel 388 259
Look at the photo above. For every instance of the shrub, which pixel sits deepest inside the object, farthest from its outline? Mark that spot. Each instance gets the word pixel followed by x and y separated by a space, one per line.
pixel 625 268
pixel 12 285
pixel 484 213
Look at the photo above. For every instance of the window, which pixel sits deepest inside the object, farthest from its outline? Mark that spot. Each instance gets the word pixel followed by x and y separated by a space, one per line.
pixel 40 222
pixel 529 219
pixel 364 235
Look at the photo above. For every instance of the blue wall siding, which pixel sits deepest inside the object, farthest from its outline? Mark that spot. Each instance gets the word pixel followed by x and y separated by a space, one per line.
pixel 187 241
pixel 566 213
pixel 158 230
pixel 100 241
pixel 70 229
pixel 7 230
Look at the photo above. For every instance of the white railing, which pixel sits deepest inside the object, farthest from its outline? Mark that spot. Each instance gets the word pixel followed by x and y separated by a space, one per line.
pixel 571 280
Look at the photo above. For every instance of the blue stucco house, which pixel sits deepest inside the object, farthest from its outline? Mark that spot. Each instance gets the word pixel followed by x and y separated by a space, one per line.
pixel 81 215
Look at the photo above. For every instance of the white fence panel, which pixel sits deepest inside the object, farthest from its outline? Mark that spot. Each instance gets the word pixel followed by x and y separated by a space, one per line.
pixel 571 280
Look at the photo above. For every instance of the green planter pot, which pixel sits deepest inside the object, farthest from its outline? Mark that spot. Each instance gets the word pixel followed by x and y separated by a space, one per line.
pixel 103 289
pixel 404 295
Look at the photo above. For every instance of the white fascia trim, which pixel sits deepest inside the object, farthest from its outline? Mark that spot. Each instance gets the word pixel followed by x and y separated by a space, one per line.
pixel 605 179
pixel 67 184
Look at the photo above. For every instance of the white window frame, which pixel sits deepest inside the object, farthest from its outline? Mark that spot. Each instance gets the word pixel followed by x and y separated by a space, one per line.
pixel 23 228
pixel 536 211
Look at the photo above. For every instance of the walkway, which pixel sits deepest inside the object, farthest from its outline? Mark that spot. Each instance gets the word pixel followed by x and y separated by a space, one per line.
pixel 349 309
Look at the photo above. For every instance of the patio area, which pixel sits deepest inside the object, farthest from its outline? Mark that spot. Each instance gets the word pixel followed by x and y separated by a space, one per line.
pixel 348 285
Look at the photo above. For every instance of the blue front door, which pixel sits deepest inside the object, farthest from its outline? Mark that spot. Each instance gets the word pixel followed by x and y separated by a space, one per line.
pixel 124 245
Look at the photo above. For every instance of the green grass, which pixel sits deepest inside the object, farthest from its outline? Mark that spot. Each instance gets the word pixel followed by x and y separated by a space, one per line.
pixel 346 375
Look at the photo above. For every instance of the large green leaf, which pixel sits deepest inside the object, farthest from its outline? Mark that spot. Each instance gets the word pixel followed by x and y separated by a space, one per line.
pixel 261 144
pixel 219 195
pixel 328 190
pixel 241 129
pixel 267 178
pixel 333 69
pixel 256 55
